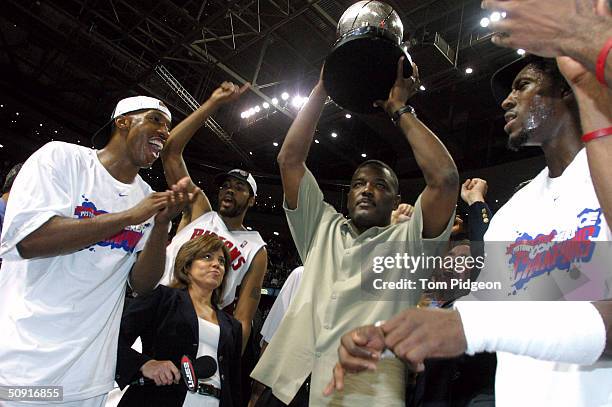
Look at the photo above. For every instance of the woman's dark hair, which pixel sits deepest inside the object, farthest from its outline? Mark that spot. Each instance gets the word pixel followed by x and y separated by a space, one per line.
pixel 196 249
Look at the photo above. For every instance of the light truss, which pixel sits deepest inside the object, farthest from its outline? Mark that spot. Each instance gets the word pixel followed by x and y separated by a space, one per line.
pixel 210 123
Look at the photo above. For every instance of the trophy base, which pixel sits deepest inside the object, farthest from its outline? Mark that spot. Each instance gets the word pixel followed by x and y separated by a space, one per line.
pixel 362 67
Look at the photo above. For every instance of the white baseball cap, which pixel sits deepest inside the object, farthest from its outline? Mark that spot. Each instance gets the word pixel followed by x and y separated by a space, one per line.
pixel 241 175
pixel 127 105
pixel 135 103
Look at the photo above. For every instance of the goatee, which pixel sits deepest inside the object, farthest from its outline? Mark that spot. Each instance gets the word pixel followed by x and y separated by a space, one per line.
pixel 515 143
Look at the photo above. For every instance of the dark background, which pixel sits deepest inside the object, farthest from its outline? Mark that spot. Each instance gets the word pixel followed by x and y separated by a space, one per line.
pixel 65 64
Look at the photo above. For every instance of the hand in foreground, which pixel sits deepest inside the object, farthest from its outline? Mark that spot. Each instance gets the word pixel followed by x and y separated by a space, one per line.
pixel 417 334
pixel 162 372
pixel 576 74
pixel 544 28
pixel 147 208
pixel 403 213
pixel 402 90
pixel 359 350
pixel 474 190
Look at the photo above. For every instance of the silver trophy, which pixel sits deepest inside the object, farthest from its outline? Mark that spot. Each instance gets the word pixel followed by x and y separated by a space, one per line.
pixel 362 65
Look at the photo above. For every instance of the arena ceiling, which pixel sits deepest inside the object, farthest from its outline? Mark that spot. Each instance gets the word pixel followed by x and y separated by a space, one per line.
pixel 65 64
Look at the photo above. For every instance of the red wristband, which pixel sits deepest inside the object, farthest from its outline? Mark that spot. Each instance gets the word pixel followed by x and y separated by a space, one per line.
pixel 600 66
pixel 606 131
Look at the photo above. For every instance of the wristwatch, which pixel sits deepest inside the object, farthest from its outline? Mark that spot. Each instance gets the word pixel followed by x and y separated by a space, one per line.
pixel 396 115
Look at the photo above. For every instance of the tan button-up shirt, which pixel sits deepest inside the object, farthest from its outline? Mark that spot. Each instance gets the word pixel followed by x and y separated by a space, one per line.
pixel 333 299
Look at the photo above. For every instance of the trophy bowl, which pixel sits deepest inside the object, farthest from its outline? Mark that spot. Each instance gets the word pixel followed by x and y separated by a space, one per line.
pixel 362 65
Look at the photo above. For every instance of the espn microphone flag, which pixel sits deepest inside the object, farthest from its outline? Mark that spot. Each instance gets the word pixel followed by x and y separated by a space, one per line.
pixel 188 373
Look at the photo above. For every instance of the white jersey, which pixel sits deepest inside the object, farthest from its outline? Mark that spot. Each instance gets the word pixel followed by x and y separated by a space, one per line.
pixel 60 315
pixel 242 245
pixel 541 218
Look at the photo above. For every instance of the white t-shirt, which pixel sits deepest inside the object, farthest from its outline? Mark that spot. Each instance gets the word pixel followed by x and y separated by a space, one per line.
pixel 208 345
pixel 552 210
pixel 279 308
pixel 243 245
pixel 60 315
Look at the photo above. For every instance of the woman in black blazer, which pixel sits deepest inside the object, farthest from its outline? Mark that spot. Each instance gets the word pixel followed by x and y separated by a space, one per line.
pixel 169 322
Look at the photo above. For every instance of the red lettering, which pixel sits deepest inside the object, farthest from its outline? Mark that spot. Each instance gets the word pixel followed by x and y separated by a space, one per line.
pixel 234 251
pixel 196 233
pixel 583 234
pixel 234 254
pixel 241 262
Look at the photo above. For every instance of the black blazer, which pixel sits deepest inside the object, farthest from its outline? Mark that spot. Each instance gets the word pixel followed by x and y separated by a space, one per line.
pixel 480 216
pixel 167 323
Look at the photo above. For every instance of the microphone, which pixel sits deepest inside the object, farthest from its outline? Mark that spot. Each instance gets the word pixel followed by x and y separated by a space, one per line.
pixel 205 367
pixel 191 372
pixel 188 374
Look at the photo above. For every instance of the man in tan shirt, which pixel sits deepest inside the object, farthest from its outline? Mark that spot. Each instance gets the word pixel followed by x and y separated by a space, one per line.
pixel 337 252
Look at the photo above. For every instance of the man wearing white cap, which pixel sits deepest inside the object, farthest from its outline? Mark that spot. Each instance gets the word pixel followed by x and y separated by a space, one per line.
pixel 237 193
pixel 79 225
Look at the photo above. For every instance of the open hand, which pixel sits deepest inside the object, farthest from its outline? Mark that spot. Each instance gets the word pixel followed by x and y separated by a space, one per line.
pixel 177 199
pixel 548 28
pixel 403 213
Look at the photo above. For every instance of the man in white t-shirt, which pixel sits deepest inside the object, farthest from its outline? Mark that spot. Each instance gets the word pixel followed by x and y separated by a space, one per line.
pixel 79 225
pixel 274 318
pixel 237 193
pixel 549 353
pixel 279 308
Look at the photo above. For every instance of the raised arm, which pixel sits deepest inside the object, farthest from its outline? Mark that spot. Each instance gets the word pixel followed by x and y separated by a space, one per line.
pixel 149 268
pixel 473 192
pixel 250 293
pixel 595 106
pixel 294 151
pixel 172 154
pixel 439 198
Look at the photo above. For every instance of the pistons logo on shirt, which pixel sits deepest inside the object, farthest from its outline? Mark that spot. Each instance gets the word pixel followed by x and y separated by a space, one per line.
pixel 127 239
pixel 531 257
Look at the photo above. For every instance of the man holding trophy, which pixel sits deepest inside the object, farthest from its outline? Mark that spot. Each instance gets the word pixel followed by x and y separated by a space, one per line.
pixel 300 357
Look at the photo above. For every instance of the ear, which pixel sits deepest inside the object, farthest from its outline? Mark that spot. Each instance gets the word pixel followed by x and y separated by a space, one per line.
pixel 122 122
pixel 251 201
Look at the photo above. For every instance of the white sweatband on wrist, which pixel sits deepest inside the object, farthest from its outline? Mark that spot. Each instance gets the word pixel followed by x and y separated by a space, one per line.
pixel 561 331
